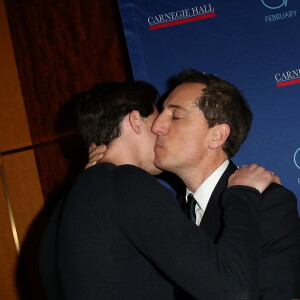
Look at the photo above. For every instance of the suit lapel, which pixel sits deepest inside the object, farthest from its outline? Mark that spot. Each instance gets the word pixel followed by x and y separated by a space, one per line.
pixel 212 221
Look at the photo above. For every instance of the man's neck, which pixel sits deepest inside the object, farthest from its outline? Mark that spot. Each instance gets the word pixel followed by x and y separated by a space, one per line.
pixel 196 175
pixel 119 153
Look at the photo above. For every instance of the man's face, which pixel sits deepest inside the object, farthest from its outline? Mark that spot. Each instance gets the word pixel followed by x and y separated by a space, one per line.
pixel 183 133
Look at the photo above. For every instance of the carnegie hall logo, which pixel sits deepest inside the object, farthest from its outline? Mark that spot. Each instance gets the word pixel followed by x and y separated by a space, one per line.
pixel 287 78
pixel 275 5
pixel 297 158
pixel 186 15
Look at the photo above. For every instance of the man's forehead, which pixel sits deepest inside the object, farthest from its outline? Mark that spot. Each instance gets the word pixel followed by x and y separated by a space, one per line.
pixel 184 95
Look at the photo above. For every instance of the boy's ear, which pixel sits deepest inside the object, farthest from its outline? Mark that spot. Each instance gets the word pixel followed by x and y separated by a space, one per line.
pixel 135 120
pixel 220 133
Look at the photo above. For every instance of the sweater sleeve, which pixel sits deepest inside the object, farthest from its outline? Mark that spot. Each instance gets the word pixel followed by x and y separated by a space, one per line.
pixel 149 215
pixel 280 245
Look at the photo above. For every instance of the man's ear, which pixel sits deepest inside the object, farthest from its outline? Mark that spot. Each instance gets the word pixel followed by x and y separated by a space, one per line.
pixel 135 120
pixel 220 133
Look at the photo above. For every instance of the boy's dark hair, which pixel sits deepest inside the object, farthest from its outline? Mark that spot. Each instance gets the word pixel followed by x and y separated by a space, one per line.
pixel 103 107
pixel 221 103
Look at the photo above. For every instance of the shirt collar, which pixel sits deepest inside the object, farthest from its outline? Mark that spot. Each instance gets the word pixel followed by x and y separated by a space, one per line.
pixel 204 191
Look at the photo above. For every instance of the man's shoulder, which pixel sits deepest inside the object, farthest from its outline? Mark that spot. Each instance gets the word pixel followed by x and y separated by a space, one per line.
pixel 279 216
pixel 280 242
pixel 277 194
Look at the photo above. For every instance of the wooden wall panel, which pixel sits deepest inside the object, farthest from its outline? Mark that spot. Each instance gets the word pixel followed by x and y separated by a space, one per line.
pixel 62 48
pixel 27 220
pixel 14 130
pixel 59 163
pixel 20 176
pixel 50 51
pixel 8 251
pixel 20 193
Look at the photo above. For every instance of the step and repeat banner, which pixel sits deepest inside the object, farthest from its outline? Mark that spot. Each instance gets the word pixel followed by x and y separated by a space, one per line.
pixel 253 44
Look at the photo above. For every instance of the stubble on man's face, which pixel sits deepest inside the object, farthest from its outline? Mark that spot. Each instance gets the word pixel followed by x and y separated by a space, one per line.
pixel 182 130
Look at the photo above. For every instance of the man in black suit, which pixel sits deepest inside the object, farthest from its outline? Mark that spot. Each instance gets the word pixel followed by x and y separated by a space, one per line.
pixel 203 122
pixel 119 234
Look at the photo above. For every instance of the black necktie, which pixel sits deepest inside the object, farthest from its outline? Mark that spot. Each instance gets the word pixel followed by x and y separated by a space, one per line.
pixel 190 208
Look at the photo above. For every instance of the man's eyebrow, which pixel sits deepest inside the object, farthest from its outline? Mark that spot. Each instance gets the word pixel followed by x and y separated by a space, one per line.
pixel 176 106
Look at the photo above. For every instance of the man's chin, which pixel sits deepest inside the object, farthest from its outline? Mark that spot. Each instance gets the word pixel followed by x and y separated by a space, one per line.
pixel 158 164
pixel 152 169
pixel 156 172
pixel 163 166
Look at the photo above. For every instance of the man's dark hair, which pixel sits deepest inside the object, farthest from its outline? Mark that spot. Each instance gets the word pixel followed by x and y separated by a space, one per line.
pixel 221 102
pixel 103 107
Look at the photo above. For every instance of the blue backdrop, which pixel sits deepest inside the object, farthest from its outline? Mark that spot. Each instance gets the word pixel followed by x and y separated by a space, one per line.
pixel 253 44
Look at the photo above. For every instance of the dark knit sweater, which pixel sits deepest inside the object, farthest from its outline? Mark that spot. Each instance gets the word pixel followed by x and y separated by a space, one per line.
pixel 120 234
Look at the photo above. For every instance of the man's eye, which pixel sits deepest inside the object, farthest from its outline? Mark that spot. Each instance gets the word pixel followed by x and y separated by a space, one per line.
pixel 175 118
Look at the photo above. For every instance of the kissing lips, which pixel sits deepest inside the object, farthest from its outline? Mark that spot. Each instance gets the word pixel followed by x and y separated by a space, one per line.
pixel 158 146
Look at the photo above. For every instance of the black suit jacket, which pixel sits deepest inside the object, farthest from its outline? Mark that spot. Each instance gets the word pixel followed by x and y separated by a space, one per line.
pixel 120 234
pixel 212 221
pixel 279 265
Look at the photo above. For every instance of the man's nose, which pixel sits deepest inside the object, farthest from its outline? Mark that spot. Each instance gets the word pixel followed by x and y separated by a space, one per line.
pixel 159 126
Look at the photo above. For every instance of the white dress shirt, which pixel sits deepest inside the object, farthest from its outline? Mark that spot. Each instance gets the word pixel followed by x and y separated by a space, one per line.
pixel 205 190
